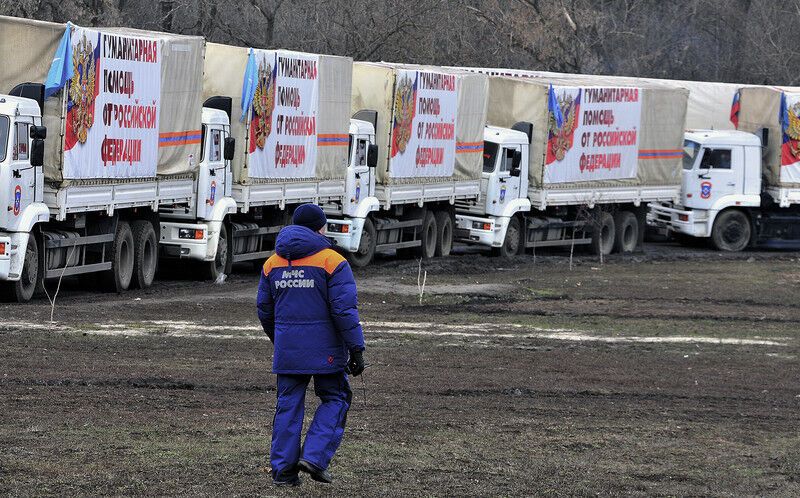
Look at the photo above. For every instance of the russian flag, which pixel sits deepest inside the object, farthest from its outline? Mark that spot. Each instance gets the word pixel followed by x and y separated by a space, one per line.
pixel 561 139
pixel 70 135
pixel 735 110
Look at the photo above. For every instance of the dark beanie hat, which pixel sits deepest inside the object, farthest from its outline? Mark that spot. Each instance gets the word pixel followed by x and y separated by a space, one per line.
pixel 310 216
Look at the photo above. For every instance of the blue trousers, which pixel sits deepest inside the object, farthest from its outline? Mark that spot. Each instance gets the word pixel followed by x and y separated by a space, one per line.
pixel 326 430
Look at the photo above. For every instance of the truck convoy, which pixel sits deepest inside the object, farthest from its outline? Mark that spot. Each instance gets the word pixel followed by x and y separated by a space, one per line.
pixel 415 151
pixel 90 160
pixel 742 188
pixel 574 161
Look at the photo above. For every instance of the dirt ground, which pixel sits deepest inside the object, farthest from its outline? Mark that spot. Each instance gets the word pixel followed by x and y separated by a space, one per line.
pixel 670 372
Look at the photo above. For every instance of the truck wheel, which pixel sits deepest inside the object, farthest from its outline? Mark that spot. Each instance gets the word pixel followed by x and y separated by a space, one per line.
pixel 512 244
pixel 603 234
pixel 731 231
pixel 119 277
pixel 626 234
pixel 223 263
pixel 145 258
pixel 428 237
pixel 23 289
pixel 444 233
pixel 366 246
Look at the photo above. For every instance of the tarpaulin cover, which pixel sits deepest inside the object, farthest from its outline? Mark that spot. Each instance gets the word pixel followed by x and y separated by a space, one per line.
pixel 659 133
pixel 709 102
pixel 318 154
pixel 421 137
pixel 760 108
pixel 27 49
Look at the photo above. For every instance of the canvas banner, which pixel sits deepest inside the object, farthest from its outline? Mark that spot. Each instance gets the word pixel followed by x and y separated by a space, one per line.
pixel 593 134
pixel 790 147
pixel 113 100
pixel 423 124
pixel 282 136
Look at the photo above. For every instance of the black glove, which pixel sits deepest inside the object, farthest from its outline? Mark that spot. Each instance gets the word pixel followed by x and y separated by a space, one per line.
pixel 356 364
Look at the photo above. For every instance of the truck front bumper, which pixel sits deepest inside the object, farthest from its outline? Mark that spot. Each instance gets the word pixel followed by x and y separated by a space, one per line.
pixel 172 245
pixel 483 231
pixel 345 234
pixel 5 256
pixel 686 221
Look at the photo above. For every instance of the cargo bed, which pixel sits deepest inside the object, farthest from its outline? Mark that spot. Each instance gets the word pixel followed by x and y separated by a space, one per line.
pixel 422 193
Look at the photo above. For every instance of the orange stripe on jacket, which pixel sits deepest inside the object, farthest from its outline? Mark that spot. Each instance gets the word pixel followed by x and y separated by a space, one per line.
pixel 326 258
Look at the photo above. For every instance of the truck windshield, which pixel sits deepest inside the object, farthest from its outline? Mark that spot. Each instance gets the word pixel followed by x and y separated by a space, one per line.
pixel 489 156
pixel 3 137
pixel 690 150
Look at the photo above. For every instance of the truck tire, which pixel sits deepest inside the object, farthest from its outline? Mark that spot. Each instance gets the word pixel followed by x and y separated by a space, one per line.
pixel 366 247
pixel 626 234
pixel 428 236
pixel 603 233
pixel 119 277
pixel 223 262
pixel 731 231
pixel 444 233
pixel 145 254
pixel 31 278
pixel 512 244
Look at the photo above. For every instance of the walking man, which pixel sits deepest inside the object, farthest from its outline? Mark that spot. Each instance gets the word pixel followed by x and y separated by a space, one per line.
pixel 308 308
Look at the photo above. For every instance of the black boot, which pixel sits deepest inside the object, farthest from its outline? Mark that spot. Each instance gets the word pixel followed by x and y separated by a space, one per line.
pixel 287 478
pixel 315 472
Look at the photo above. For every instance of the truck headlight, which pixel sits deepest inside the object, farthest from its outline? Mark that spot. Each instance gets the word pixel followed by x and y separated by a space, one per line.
pixel 479 225
pixel 338 228
pixel 2 248
pixel 190 233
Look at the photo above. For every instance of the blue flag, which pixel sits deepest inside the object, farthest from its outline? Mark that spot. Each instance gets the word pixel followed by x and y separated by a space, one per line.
pixel 249 84
pixel 783 117
pixel 554 108
pixel 58 75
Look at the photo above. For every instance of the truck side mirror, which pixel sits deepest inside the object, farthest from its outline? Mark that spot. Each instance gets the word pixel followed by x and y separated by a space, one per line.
pixel 37 152
pixel 230 147
pixel 372 156
pixel 516 161
pixel 38 132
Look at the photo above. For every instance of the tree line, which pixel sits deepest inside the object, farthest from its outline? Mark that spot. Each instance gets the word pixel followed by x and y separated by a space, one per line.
pixel 741 41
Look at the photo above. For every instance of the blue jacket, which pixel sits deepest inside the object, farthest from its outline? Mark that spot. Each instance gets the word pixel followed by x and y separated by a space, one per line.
pixel 307 304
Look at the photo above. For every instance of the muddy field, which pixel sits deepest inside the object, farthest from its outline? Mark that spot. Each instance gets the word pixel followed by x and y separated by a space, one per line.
pixel 670 372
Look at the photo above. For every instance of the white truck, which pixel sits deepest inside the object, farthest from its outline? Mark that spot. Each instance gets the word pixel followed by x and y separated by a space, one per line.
pixel 742 188
pixel 415 145
pixel 291 116
pixel 87 173
pixel 574 161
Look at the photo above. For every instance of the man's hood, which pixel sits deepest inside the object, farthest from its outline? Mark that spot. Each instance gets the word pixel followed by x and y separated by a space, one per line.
pixel 296 242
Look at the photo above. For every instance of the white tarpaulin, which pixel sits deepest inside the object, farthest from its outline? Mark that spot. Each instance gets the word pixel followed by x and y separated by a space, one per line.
pixel 113 99
pixel 283 121
pixel 598 138
pixel 423 124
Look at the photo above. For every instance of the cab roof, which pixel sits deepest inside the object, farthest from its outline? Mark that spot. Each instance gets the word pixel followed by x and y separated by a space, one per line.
pixel 504 135
pixel 727 137
pixel 360 127
pixel 10 106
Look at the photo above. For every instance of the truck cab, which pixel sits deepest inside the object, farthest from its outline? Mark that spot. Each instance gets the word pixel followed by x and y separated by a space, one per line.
pixel 359 199
pixel 721 181
pixel 21 182
pixel 198 232
pixel 504 190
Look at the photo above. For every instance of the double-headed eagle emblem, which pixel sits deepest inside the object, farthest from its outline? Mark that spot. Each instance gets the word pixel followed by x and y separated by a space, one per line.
pixel 561 137
pixel 263 104
pixel 403 113
pixel 793 130
pixel 81 88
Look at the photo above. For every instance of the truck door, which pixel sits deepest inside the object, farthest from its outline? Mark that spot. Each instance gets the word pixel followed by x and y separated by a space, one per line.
pixel 717 172
pixel 22 187
pixel 360 183
pixel 212 185
pixel 509 184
